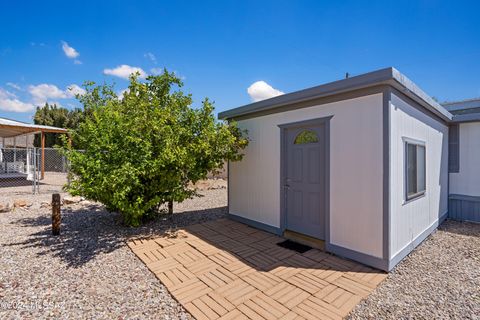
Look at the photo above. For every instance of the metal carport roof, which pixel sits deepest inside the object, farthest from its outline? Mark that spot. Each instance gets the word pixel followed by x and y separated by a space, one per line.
pixel 12 128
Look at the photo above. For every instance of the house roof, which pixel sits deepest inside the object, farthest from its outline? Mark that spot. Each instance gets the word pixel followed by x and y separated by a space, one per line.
pixel 467 110
pixel 462 104
pixel 388 76
pixel 12 128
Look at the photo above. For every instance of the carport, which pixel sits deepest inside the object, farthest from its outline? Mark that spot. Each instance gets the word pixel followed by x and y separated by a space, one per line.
pixel 17 140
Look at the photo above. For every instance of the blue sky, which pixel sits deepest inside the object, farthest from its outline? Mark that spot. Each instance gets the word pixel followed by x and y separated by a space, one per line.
pixel 222 48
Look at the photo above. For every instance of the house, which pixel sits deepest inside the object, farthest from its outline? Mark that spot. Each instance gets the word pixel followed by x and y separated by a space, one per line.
pixel 363 166
pixel 464 148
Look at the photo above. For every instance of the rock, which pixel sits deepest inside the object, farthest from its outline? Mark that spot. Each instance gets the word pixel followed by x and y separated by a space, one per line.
pixel 71 200
pixel 4 207
pixel 45 204
pixel 21 203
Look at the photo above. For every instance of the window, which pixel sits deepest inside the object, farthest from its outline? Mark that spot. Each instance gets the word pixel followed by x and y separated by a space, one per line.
pixel 306 136
pixel 454 149
pixel 415 169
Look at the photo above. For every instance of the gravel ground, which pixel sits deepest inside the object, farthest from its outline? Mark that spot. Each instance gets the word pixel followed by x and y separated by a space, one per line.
pixel 88 271
pixel 439 280
pixel 14 188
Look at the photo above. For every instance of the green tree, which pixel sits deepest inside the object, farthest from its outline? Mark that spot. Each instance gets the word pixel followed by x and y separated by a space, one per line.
pixel 145 149
pixel 51 115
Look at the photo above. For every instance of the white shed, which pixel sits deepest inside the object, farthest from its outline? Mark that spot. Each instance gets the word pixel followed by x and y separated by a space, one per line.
pixel 360 164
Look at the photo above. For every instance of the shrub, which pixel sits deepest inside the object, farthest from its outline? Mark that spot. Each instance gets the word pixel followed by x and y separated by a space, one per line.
pixel 143 149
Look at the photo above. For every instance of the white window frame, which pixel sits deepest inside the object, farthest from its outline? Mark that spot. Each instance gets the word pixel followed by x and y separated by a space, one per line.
pixel 417 143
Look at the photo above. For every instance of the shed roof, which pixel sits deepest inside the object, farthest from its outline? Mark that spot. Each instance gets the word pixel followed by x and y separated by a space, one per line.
pixel 388 76
pixel 12 128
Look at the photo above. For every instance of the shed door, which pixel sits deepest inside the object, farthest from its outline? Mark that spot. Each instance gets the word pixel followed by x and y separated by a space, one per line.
pixel 305 177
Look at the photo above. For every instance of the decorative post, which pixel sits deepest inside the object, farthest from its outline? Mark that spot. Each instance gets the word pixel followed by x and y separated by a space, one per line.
pixel 56 215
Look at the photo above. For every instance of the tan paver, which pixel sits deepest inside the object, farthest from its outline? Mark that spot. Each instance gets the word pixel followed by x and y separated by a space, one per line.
pixel 227 270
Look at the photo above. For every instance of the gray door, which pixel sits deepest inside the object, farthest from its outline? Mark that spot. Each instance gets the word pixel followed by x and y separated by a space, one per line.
pixel 305 157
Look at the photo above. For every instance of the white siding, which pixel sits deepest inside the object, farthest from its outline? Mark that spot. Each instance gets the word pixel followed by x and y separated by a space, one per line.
pixel 356 171
pixel 467 180
pixel 410 219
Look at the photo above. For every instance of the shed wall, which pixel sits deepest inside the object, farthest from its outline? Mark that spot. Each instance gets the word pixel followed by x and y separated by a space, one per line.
pixel 356 164
pixel 411 221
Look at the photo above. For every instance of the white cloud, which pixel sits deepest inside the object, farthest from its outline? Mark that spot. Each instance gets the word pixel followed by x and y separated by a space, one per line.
pixel 77 61
pixel 38 95
pixel 46 92
pixel 124 71
pixel 73 90
pixel 121 93
pixel 70 52
pixel 150 56
pixel 43 92
pixel 4 94
pixel 156 71
pixel 15 105
pixel 261 90
pixel 9 102
pixel 14 86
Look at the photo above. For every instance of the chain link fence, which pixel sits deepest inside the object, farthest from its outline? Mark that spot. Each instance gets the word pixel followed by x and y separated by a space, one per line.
pixel 31 170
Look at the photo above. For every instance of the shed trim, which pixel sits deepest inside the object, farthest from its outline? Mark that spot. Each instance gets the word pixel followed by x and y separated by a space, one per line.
pixel 418 240
pixel 283 148
pixel 254 223
pixel 379 263
pixel 387 96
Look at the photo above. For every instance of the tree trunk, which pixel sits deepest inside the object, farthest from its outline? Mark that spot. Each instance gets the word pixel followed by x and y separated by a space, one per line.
pixel 170 207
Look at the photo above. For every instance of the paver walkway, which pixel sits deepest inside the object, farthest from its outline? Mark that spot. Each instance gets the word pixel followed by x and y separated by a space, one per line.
pixel 227 270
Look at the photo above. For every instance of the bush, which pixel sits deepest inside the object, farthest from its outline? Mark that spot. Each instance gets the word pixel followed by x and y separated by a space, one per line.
pixel 143 150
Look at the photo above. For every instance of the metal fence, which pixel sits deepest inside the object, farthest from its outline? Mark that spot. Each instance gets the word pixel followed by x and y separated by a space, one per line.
pixel 31 170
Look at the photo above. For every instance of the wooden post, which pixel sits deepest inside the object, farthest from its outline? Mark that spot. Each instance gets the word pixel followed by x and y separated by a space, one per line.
pixel 43 155
pixel 56 215
pixel 69 137
pixel 14 153
pixel 170 207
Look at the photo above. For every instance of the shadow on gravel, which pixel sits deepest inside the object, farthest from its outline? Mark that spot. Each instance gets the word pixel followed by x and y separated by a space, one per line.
pixel 91 230
pixel 464 228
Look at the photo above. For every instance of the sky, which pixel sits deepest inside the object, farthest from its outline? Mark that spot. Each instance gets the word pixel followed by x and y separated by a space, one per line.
pixel 233 52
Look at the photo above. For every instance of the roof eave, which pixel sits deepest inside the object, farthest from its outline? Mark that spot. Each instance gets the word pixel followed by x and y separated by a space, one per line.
pixel 387 76
pixel 469 117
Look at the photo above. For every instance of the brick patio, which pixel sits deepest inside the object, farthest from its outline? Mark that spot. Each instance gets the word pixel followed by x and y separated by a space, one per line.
pixel 227 270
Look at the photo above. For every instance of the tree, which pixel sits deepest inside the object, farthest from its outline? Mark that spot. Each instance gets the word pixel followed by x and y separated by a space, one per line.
pixel 144 149
pixel 51 115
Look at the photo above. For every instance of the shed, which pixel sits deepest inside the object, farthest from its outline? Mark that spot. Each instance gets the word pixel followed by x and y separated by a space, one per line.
pixel 357 166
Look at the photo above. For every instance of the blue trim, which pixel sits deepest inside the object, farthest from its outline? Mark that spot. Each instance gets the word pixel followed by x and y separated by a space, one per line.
pixel 413 244
pixel 255 224
pixel 375 262
pixel 464 207
pixel 464 197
